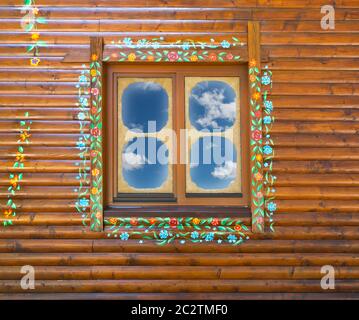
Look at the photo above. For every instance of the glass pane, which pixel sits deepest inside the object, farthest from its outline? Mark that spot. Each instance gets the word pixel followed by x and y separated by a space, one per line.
pixel 145 106
pixel 213 163
pixel 212 106
pixel 145 163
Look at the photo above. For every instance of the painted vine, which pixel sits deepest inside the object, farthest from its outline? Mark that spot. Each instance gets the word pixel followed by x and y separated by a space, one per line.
pixel 164 230
pixel 16 176
pixel 29 23
pixel 158 50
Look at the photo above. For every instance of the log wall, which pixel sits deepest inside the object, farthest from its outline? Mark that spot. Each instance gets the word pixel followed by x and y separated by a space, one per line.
pixel 316 98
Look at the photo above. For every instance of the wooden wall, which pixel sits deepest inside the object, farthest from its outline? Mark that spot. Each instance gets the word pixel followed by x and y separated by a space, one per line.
pixel 316 98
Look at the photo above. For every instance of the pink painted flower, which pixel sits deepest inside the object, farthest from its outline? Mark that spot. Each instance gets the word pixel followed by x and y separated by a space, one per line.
pixel 93 153
pixel 95 132
pixel 260 219
pixel 95 91
pixel 172 56
pixel 258 114
pixel 259 195
pixel 229 56
pixel 212 57
pixel 256 135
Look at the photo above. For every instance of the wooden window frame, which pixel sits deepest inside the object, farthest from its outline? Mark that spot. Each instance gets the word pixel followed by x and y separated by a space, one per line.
pixel 253 58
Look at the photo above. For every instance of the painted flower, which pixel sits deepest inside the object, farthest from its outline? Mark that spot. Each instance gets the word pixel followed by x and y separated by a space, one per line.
pixel 93 110
pixel 185 46
pixel 7 212
pixel 173 222
pixel 155 45
pixel 81 145
pixel 212 57
pixel 266 80
pixel 20 157
pixel 153 220
pixel 258 176
pixel 83 202
pixel 98 215
pixel 35 36
pixel 94 57
pixel 95 91
pixel 256 95
pixel 81 116
pixel 268 105
pixel 82 78
pixel 95 172
pixel 84 102
pixel 259 157
pixel 127 41
pixel 238 227
pixel 260 220
pixel 131 57
pixel 229 56
pixel 209 237
pixel 163 234
pixel 95 132
pixel 93 153
pixel 172 56
pixel 14 181
pixel 257 135
pixel 194 235
pixel 114 55
pixel 259 195
pixel 113 220
pixel 35 61
pixel 272 206
pixel 93 72
pixel 215 222
pixel 124 236
pixel 196 221
pixel 232 238
pixel 150 58
pixel 24 136
pixel 252 63
pixel 267 120
pixel 134 221
pixel 94 190
pixel 194 58
pixel 267 149
pixel 258 114
pixel 225 44
pixel 252 78
pixel 141 43
pixel 35 10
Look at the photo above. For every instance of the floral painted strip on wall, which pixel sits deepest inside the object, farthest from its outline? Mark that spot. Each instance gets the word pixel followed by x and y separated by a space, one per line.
pixel 96 210
pixel 29 23
pixel 268 148
pixel 158 50
pixel 82 203
pixel 164 230
pixel 16 176
pixel 256 140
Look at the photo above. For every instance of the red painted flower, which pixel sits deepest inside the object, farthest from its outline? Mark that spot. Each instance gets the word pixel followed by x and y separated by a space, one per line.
pixel 95 132
pixel 238 227
pixel 229 56
pixel 172 56
pixel 153 220
pixel 212 57
pixel 93 110
pixel 173 222
pixel 134 221
pixel 95 91
pixel 258 114
pixel 256 135
pixel 93 153
pixel 215 222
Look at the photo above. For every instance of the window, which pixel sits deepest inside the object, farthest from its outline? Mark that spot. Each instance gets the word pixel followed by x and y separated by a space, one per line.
pixel 176 135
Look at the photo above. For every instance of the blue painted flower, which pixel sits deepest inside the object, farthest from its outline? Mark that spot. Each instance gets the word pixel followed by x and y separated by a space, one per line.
pixel 267 149
pixel 268 105
pixel 81 116
pixel 81 145
pixel 124 236
pixel 127 41
pixel 163 234
pixel 83 78
pixel 185 46
pixel 272 206
pixel 266 164
pixel 194 235
pixel 267 120
pixel 266 80
pixel 83 101
pixel 155 45
pixel 225 44
pixel 84 202
pixel 232 238
pixel 141 43
pixel 209 236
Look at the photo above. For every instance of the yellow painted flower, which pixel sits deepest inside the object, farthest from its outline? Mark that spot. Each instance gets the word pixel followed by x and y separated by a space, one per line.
pixel 259 157
pixel 98 215
pixel 196 221
pixel 252 78
pixel 150 58
pixel 256 95
pixel 94 57
pixel 24 136
pixel 258 176
pixel 7 212
pixel 35 36
pixel 35 61
pixel 194 58
pixel 113 220
pixel 131 57
pixel 252 63
pixel 93 72
pixel 14 181
pixel 20 157
pixel 94 190
pixel 35 10
pixel 95 172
